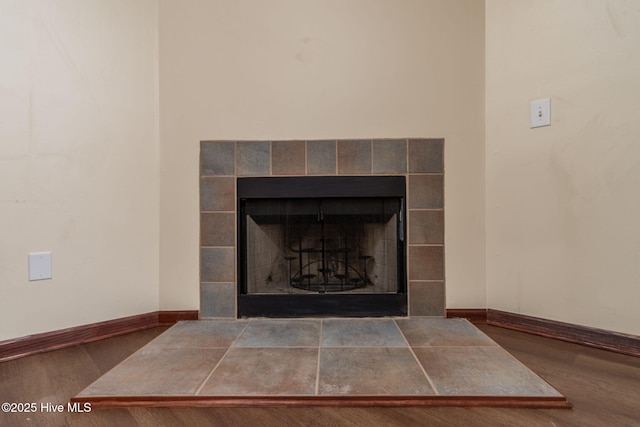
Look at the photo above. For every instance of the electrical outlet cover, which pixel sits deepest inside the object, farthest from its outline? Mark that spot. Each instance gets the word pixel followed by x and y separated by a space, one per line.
pixel 39 265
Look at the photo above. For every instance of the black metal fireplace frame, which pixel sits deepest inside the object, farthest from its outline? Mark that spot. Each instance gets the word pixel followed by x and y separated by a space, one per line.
pixel 314 305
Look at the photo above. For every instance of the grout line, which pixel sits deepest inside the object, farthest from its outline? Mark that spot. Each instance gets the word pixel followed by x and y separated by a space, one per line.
pixel 317 388
pixel 456 346
pixel 408 155
pixel 366 346
pixel 306 158
pixel 272 346
pixel 433 386
pixel 199 389
pixel 371 156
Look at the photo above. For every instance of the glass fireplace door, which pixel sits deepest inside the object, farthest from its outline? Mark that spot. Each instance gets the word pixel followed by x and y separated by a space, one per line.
pixel 301 246
pixel 307 256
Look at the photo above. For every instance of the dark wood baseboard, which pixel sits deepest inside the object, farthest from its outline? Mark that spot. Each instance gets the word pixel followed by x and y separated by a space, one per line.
pixel 584 335
pixel 592 337
pixel 168 318
pixel 54 340
pixel 473 315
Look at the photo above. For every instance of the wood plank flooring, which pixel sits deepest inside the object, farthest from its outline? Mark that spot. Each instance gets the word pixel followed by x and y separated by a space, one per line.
pixel 604 388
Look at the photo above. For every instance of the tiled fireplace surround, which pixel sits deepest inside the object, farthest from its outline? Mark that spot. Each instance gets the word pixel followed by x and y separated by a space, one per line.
pixel 420 160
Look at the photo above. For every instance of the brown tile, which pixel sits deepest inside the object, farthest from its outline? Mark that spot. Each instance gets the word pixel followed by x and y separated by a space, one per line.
pixel 426 299
pixel 217 229
pixel 371 371
pixel 264 371
pixel 217 157
pixel 217 194
pixel 200 333
pixel 288 157
pixel 217 265
pixel 281 333
pixel 253 158
pixel 426 155
pixel 389 156
pixel 426 226
pixel 354 156
pixel 218 300
pixel 321 157
pixel 426 263
pixel 472 371
pixel 439 331
pixel 361 332
pixel 153 371
pixel 426 192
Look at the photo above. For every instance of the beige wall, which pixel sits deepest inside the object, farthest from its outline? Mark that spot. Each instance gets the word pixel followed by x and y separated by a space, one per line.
pixel 288 69
pixel 78 161
pixel 82 175
pixel 563 235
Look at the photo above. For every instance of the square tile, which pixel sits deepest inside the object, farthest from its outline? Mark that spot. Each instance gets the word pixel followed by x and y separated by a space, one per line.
pixel 361 333
pixel 438 331
pixel 390 156
pixel 426 226
pixel 200 333
pixel 218 300
pixel 217 194
pixel 217 157
pixel 321 157
pixel 426 155
pixel 473 371
pixel 217 265
pixel 281 333
pixel 426 192
pixel 288 158
pixel 354 156
pixel 253 158
pixel 371 371
pixel 426 263
pixel 217 229
pixel 264 371
pixel 426 299
pixel 147 372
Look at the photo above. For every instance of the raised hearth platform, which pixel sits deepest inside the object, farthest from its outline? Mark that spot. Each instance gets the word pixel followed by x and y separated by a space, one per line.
pixel 420 361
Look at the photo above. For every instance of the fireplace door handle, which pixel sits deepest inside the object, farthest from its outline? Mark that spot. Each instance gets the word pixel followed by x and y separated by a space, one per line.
pixel 401 222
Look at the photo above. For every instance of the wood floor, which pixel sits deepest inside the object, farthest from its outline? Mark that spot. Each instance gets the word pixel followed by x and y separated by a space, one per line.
pixel 604 388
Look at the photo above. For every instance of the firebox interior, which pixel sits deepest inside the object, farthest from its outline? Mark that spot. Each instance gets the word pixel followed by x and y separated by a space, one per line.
pixel 321 246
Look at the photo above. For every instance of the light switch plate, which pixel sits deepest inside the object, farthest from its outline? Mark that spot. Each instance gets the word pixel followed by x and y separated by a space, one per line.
pixel 540 113
pixel 39 265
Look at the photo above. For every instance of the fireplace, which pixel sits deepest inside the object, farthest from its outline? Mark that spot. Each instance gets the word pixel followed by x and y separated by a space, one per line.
pixel 330 246
pixel 382 255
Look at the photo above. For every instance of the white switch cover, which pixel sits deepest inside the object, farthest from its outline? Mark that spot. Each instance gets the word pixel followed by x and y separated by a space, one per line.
pixel 541 113
pixel 39 265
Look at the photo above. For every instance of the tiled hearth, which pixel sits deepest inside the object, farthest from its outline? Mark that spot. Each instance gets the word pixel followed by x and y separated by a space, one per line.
pixel 419 160
pixel 275 362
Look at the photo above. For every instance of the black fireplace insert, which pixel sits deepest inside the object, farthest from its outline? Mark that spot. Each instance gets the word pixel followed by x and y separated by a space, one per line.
pixel 321 246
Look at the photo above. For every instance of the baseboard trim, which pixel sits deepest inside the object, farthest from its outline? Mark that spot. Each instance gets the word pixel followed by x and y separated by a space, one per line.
pixel 54 340
pixel 168 318
pixel 474 315
pixel 584 335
